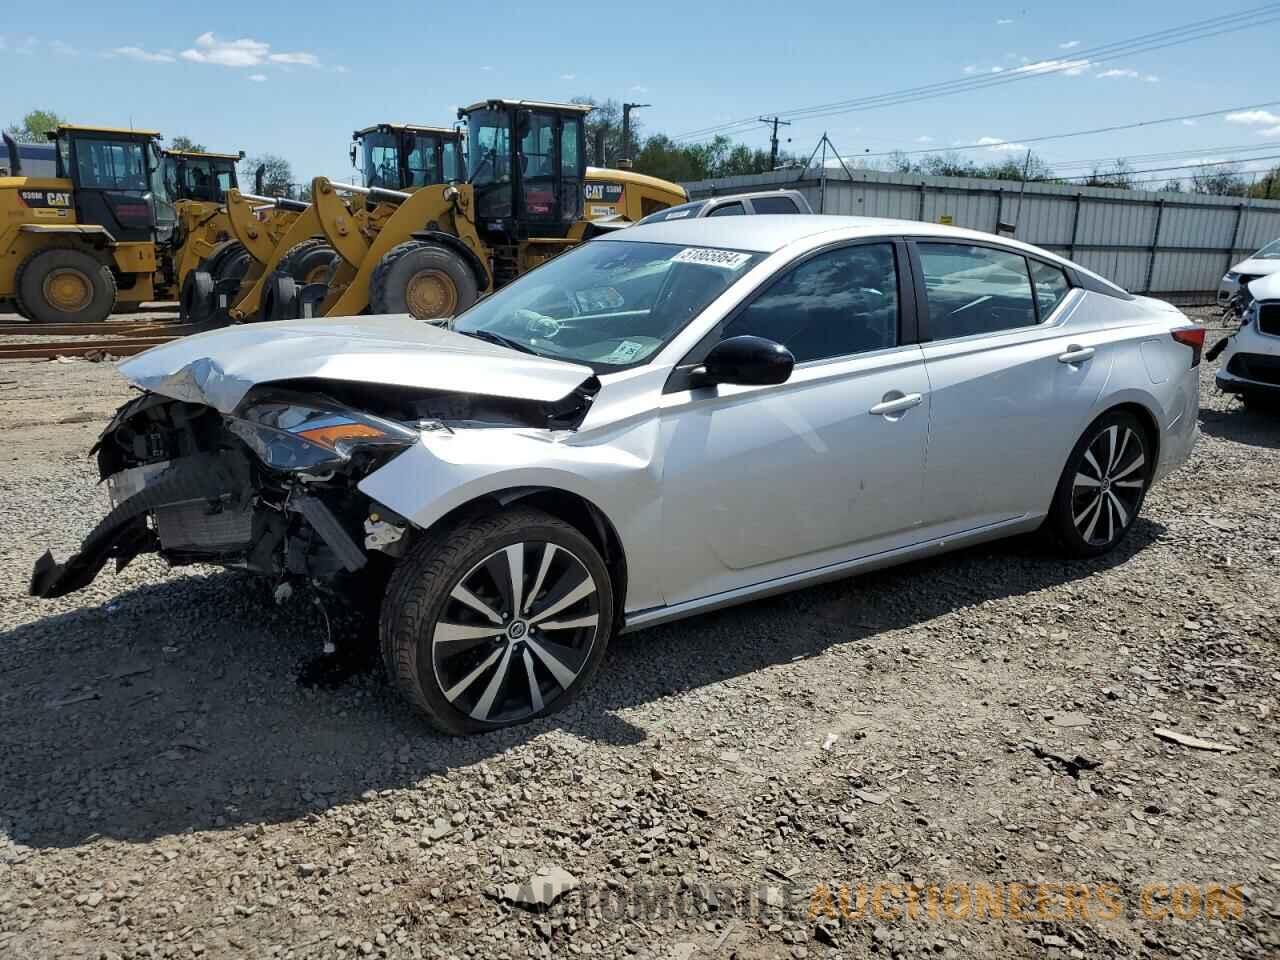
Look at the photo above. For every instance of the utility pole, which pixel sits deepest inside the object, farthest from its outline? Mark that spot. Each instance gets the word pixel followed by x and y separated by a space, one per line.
pixel 775 122
pixel 625 163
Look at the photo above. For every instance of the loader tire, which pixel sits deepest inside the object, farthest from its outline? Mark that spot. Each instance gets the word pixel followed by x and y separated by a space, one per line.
pixel 426 280
pixel 66 286
pixel 196 301
pixel 233 264
pixel 308 261
pixel 279 298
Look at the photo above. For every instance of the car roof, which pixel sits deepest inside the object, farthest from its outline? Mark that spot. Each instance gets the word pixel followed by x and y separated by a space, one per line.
pixel 767 233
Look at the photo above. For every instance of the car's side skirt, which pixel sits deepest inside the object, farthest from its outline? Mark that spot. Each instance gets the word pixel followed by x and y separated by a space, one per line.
pixel 654 616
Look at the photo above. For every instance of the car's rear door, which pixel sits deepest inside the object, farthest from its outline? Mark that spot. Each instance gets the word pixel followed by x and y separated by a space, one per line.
pixel 765 482
pixel 1011 380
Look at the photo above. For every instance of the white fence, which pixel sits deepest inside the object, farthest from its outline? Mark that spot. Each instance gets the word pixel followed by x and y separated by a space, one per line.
pixel 1171 245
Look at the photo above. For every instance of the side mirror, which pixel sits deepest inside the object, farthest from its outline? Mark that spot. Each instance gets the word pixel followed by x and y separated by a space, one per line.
pixel 747 361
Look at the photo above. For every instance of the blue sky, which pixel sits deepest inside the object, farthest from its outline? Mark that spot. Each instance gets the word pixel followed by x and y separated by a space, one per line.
pixel 296 80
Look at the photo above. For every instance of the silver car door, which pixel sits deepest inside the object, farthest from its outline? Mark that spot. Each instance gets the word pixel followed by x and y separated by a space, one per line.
pixel 1011 380
pixel 764 482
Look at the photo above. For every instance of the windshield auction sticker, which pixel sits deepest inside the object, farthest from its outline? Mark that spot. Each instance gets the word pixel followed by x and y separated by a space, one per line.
pixel 708 257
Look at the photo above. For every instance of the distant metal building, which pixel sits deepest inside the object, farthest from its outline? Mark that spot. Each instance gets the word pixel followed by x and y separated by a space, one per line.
pixel 38 159
pixel 1171 245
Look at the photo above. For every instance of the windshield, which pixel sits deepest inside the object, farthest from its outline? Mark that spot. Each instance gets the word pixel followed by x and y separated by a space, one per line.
pixel 685 211
pixel 489 161
pixel 608 303
pixel 1270 252
pixel 111 165
pixel 423 160
pixel 381 155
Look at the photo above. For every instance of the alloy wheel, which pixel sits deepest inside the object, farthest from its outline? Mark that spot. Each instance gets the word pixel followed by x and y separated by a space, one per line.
pixel 515 632
pixel 1108 486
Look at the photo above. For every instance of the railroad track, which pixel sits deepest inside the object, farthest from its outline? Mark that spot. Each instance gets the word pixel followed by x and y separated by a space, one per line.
pixel 48 350
pixel 107 327
pixel 118 338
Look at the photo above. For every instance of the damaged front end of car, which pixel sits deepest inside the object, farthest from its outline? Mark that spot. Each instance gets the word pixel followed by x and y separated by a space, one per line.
pixel 269 488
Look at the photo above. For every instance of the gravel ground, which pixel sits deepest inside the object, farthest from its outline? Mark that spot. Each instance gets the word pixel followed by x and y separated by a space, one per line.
pixel 168 789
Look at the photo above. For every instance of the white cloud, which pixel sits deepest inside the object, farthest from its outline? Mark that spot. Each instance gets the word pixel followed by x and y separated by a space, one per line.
pixel 244 52
pixel 971 68
pixel 65 49
pixel 487 69
pixel 1003 22
pixel 1150 78
pixel 227 53
pixel 143 55
pixel 258 77
pixel 297 59
pixel 341 69
pixel 639 89
pixel 1115 72
pixel 568 76
pixel 1256 118
pixel 996 145
pixel 924 138
pixel 1071 68
pixel 1188 123
pixel 1069 45
pixel 1270 132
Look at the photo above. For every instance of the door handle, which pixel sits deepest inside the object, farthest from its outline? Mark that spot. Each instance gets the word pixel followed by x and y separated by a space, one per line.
pixel 1075 354
pixel 898 405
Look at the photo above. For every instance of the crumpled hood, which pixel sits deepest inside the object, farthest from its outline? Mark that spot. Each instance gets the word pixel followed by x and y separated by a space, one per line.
pixel 219 367
pixel 1257 267
pixel 1268 288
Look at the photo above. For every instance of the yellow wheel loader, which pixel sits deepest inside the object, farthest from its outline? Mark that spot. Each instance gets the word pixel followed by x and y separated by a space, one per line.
pixel 434 251
pixel 281 236
pixel 196 185
pixel 75 245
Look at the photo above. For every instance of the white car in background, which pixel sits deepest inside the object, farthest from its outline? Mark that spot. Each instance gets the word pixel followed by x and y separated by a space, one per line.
pixel 1251 357
pixel 1262 264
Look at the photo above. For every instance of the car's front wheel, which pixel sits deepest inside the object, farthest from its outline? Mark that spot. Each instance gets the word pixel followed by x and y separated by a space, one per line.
pixel 1102 486
pixel 496 621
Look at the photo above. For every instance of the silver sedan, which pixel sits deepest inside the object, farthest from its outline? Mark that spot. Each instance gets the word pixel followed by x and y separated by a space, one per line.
pixel 660 422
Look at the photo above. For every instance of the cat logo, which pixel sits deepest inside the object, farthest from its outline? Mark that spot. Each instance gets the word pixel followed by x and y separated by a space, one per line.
pixel 45 198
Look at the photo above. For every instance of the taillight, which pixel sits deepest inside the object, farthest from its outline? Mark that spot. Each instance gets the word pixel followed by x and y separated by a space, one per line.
pixel 1193 337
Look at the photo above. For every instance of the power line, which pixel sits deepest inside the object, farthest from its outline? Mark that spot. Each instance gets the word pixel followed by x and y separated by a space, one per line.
pixel 1170 155
pixel 1182 166
pixel 1198 30
pixel 1020 142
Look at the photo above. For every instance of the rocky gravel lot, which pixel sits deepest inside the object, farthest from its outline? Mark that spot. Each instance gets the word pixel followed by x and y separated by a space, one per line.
pixel 167 788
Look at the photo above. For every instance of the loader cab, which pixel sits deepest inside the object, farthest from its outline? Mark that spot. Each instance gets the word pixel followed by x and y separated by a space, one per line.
pixel 203 177
pixel 116 175
pixel 404 156
pixel 526 161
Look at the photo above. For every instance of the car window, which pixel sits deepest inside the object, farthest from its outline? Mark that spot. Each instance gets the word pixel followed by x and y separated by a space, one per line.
pixel 1051 286
pixel 682 212
pixel 729 210
pixel 774 205
pixel 837 303
pixel 975 290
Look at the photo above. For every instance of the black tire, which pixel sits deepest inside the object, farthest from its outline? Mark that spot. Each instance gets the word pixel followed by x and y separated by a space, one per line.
pixel 196 300
pixel 1261 401
pixel 422 591
pixel 19 309
pixel 233 264
pixel 308 261
pixel 1102 484
pixel 279 298
pixel 99 285
pixel 447 283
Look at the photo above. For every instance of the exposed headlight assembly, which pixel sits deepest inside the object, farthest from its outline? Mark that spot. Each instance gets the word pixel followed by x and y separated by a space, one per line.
pixel 307 434
pixel 1230 277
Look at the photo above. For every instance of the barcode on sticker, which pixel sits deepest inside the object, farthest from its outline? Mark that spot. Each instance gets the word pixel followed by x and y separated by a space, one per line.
pixel 726 259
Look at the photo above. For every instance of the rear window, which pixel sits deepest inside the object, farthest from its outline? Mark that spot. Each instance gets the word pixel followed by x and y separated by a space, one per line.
pixel 774 205
pixel 734 209
pixel 685 211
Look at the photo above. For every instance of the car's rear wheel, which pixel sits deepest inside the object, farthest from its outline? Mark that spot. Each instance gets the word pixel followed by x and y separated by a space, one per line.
pixel 499 620
pixel 1103 485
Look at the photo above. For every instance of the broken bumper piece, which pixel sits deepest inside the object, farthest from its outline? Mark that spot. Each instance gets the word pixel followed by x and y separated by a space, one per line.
pixel 123 534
